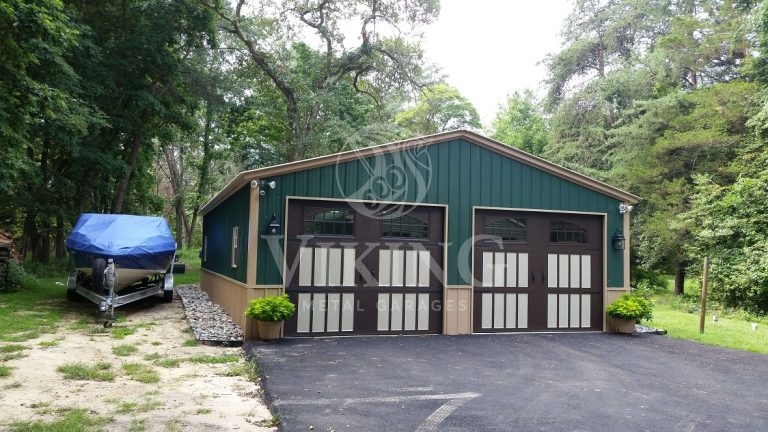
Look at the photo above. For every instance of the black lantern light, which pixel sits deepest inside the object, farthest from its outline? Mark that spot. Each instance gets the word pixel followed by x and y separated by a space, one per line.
pixel 619 242
pixel 274 226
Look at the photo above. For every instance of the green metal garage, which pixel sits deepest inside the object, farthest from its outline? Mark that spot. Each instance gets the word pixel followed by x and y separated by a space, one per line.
pixel 450 233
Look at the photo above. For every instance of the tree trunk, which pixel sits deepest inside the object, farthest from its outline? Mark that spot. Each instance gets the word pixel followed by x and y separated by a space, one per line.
pixel 204 175
pixel 680 278
pixel 59 246
pixel 122 186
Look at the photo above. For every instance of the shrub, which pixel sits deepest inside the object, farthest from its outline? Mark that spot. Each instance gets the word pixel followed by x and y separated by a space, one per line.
pixel 270 308
pixel 15 277
pixel 631 306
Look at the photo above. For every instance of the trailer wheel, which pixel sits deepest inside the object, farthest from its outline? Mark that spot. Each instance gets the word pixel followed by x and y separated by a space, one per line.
pixel 97 274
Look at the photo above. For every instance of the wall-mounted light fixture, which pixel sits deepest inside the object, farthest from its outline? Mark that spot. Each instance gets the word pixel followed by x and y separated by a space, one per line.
pixel 274 225
pixel 625 208
pixel 263 185
pixel 619 242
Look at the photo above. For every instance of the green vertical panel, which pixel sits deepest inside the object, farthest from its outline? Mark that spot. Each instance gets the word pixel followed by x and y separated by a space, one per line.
pixel 445 171
pixel 219 223
pixel 506 182
pixel 536 176
pixel 517 181
pixel 546 191
pixel 429 159
pixel 525 186
pixel 481 190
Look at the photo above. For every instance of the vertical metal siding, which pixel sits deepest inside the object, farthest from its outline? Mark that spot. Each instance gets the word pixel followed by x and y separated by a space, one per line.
pixel 217 225
pixel 463 175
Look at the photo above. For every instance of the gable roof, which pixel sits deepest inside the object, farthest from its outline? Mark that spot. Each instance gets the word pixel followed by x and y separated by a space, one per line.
pixel 246 177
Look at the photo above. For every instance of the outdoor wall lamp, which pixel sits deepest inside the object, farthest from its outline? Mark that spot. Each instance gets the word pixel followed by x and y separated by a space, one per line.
pixel 619 242
pixel 625 208
pixel 263 185
pixel 274 226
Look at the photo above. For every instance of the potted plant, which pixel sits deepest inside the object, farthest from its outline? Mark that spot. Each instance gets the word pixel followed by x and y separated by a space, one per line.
pixel 628 310
pixel 269 313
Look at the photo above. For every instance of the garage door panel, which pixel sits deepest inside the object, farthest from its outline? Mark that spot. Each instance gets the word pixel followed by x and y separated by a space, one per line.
pixel 395 289
pixel 548 264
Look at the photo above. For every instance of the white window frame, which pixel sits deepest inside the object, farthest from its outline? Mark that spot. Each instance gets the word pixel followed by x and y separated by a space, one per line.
pixel 235 238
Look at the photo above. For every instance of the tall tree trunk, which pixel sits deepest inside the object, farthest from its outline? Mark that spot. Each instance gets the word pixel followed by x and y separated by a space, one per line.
pixel 27 234
pixel 130 166
pixel 204 178
pixel 59 246
pixel 680 278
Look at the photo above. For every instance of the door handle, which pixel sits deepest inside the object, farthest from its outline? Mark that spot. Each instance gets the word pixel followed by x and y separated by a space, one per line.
pixel 543 276
pixel 533 277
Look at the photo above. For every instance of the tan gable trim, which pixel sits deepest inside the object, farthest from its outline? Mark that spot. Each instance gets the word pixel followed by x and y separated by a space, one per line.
pixel 245 177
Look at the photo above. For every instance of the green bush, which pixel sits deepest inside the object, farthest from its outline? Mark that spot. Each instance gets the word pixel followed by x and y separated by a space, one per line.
pixel 649 281
pixel 270 308
pixel 631 306
pixel 15 278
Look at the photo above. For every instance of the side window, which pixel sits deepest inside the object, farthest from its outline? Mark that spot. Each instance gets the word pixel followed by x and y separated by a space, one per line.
pixel 323 221
pixel 404 226
pixel 566 232
pixel 510 229
pixel 205 248
pixel 235 235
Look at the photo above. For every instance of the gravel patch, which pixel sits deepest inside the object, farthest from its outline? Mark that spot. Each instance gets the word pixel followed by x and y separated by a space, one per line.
pixel 210 323
pixel 643 329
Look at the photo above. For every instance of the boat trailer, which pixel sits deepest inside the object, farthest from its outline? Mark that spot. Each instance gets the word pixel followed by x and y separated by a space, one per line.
pixel 109 299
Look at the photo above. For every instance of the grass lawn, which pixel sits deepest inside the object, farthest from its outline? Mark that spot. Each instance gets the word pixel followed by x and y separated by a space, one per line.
pixel 38 307
pixel 680 318
pixel 191 275
pixel 33 310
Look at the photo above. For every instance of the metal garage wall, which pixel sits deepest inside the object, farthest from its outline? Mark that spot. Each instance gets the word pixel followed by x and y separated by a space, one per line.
pixel 217 226
pixel 462 175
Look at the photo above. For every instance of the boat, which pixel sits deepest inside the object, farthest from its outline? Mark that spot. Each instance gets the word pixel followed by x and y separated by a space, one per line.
pixel 117 253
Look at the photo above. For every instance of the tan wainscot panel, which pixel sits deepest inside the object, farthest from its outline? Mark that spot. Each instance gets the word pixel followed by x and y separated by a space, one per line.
pixel 234 296
pixel 458 310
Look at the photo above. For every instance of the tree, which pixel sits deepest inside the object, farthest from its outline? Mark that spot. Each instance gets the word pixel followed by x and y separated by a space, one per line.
pixel 383 61
pixel 521 123
pixel 600 36
pixel 441 108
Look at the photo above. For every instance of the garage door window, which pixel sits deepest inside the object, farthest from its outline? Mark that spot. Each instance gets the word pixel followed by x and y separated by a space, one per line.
pixel 566 232
pixel 511 229
pixel 404 226
pixel 336 222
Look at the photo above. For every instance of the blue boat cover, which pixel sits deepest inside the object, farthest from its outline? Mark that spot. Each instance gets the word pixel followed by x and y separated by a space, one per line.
pixel 144 239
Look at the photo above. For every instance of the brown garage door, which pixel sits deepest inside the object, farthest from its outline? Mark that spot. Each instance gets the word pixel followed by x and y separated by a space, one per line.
pixel 350 273
pixel 537 271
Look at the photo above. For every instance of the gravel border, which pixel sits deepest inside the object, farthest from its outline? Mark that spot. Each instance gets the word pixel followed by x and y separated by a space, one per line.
pixel 210 323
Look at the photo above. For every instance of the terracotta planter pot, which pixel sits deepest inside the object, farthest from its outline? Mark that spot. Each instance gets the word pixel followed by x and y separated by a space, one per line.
pixel 626 326
pixel 269 330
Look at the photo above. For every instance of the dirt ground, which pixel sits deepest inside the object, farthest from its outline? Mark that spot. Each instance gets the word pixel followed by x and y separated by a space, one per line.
pixel 193 392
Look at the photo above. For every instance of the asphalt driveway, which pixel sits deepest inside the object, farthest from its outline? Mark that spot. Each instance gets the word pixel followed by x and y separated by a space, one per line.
pixel 522 382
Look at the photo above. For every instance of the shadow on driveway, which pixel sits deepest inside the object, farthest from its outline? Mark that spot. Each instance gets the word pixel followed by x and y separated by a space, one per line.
pixel 516 382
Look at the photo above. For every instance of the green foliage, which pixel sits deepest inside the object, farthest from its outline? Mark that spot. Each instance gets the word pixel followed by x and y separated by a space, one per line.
pixel 141 373
pixel 270 308
pixel 15 279
pixel 631 306
pixel 100 371
pixel 441 108
pixel 522 124
pixel 730 225
pixel 70 421
pixel 124 350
